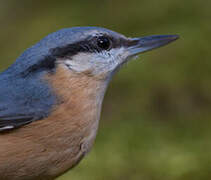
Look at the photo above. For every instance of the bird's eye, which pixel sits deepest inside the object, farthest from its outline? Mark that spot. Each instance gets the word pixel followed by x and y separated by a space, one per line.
pixel 103 42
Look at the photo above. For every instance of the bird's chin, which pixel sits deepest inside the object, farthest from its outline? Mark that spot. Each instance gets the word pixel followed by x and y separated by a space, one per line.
pixel 122 64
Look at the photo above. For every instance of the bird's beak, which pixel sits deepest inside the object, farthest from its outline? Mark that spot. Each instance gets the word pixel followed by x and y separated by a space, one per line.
pixel 139 45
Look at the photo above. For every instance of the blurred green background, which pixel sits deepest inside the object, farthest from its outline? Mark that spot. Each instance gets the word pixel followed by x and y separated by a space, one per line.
pixel 156 117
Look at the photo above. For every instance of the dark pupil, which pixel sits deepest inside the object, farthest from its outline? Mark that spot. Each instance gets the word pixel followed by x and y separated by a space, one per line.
pixel 103 42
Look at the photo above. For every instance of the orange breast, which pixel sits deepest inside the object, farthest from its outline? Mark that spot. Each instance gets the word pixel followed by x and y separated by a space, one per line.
pixel 46 148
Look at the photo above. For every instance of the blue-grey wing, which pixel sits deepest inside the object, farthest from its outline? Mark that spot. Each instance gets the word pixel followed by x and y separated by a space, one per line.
pixel 23 100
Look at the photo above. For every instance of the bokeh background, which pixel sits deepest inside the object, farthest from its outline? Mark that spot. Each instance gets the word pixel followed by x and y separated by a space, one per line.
pixel 156 118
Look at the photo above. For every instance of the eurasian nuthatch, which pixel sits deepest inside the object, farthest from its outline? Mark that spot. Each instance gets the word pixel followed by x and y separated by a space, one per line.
pixel 51 98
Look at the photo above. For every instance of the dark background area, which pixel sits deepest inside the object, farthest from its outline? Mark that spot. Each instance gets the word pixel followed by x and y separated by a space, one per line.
pixel 156 115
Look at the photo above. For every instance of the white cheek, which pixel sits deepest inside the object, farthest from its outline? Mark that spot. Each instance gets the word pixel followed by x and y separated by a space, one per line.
pixel 114 56
pixel 102 62
pixel 79 62
pixel 75 66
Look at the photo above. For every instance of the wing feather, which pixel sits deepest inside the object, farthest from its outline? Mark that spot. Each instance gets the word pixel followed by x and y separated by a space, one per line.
pixel 15 121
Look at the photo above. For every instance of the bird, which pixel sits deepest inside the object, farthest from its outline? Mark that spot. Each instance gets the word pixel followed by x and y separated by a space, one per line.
pixel 51 98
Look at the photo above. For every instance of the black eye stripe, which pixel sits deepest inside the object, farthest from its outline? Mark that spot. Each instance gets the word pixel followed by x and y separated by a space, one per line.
pixel 47 63
pixel 90 44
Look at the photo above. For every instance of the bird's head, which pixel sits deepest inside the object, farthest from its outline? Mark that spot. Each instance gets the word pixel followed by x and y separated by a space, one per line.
pixel 96 51
pixel 100 52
